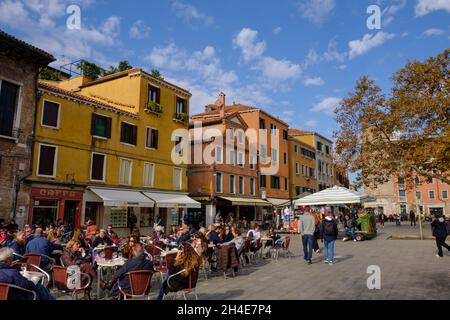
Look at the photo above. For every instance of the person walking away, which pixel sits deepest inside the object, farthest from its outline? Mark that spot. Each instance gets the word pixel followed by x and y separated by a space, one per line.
pixel 316 232
pixel 439 229
pixel 382 218
pixel 307 227
pixel 328 235
pixel 412 218
pixel 132 220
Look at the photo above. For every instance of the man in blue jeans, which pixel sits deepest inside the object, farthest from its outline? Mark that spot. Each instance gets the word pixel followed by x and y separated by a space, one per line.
pixel 328 233
pixel 307 227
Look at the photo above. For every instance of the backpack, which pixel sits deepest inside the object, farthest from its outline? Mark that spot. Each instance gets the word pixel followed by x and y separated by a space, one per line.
pixel 328 228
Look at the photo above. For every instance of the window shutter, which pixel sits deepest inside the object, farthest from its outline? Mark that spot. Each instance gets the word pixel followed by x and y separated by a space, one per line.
pixel 155 138
pixel 134 136
pixel 108 127
pixel 93 124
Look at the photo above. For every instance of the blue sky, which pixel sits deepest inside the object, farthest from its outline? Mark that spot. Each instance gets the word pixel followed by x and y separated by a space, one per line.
pixel 294 58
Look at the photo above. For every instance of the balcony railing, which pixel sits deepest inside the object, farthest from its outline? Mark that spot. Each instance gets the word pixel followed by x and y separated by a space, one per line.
pixel 181 117
pixel 154 107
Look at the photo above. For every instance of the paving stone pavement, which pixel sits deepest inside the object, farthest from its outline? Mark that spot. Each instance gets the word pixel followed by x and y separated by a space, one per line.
pixel 409 270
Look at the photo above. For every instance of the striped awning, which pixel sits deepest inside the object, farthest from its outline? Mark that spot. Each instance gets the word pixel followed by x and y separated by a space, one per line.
pixel 333 196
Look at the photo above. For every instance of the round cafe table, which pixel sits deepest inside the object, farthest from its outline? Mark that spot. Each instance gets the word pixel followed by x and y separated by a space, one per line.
pixel 105 264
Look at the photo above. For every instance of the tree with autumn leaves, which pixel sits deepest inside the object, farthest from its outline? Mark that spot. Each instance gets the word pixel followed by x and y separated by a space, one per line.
pixel 405 133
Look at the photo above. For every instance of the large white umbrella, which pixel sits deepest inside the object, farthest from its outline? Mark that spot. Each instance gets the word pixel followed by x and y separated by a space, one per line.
pixel 333 196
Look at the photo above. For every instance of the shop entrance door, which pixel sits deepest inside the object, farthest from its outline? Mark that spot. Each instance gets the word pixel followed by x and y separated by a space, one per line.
pixel 69 213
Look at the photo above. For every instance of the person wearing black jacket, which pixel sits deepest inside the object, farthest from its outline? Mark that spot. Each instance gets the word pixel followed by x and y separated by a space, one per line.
pixel 102 239
pixel 328 235
pixel 139 262
pixel 439 229
pixel 412 218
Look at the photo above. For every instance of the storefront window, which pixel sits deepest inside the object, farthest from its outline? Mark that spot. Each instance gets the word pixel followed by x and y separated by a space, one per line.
pixel 44 211
pixel 147 217
pixel 118 217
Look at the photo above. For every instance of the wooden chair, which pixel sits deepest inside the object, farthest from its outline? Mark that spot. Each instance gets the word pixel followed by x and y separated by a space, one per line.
pixel 6 287
pixel 140 283
pixel 60 277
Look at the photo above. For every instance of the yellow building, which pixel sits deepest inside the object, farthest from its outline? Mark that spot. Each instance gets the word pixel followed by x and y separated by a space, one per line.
pixel 324 160
pixel 302 167
pixel 103 151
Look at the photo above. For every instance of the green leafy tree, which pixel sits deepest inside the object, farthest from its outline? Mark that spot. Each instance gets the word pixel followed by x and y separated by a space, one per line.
pixel 406 133
pixel 155 73
pixel 49 74
pixel 90 69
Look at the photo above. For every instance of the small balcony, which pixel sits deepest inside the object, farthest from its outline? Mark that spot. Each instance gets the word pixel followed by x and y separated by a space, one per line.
pixel 154 107
pixel 181 117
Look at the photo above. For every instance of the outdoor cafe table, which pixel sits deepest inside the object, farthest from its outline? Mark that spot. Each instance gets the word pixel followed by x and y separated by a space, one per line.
pixel 114 263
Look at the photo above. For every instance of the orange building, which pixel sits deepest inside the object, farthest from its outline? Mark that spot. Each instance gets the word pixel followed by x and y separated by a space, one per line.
pixel 228 182
pixel 273 166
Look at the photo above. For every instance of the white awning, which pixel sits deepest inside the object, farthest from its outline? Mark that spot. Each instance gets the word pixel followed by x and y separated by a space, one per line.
pixel 122 198
pixel 235 201
pixel 333 196
pixel 172 200
pixel 279 202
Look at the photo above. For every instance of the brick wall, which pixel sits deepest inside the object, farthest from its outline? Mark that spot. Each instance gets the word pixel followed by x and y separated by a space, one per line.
pixel 14 152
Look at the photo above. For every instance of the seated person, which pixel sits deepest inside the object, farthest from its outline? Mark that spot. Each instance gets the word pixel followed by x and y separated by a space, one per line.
pixel 238 240
pixel 40 245
pixel 102 239
pixel 184 235
pixel 138 262
pixel 78 235
pixel 212 235
pixel 127 251
pixel 158 235
pixel 186 260
pixel 200 244
pixel 91 230
pixel 75 255
pixel 228 234
pixel 18 244
pixel 112 235
pixel 28 231
pixel 173 232
pixel 11 275
pixel 254 233
pixel 269 244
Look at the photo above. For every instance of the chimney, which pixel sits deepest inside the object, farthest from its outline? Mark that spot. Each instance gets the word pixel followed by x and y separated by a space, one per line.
pixel 221 103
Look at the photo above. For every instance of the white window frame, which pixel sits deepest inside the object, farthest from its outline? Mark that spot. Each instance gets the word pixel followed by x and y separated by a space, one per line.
pixel 297 168
pixel 17 115
pixel 221 182
pixel 181 177
pixel 180 153
pixel 219 153
pixel 296 149
pixel 148 91
pixel 262 155
pixel 55 161
pixel 243 185
pixel 230 136
pixel 146 137
pixel 241 154
pixel 429 194
pixel 446 191
pixel 130 174
pixel 104 167
pixel 274 155
pixel 252 162
pixel 152 182
pixel 241 139
pixel 232 158
pixel 120 134
pixel 419 195
pixel 234 183
pixel 42 114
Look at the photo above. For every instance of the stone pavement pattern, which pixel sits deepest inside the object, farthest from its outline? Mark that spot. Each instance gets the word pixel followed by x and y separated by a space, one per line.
pixel 409 270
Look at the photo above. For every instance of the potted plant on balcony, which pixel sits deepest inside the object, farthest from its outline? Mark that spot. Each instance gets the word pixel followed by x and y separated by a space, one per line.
pixel 182 117
pixel 154 107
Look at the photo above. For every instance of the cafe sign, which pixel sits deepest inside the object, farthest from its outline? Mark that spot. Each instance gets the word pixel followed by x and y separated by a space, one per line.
pixel 56 193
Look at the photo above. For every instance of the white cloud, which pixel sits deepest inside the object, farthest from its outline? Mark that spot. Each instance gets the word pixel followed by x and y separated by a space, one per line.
pixel 327 105
pixel 247 41
pixel 139 30
pixel 190 13
pixel 424 7
pixel 316 10
pixel 389 12
pixel 316 81
pixel 204 63
pixel 342 67
pixel 368 42
pixel 433 32
pixel 276 71
pixel 311 123
pixel 330 55
pixel 276 31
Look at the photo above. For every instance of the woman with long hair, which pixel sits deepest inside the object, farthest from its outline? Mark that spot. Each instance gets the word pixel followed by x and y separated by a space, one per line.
pixel 127 251
pixel 186 261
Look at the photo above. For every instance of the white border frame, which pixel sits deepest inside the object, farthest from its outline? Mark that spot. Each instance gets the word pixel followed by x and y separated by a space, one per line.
pixel 104 167
pixel 146 137
pixel 55 161
pixel 131 171
pixel 153 175
pixel 99 137
pixel 59 115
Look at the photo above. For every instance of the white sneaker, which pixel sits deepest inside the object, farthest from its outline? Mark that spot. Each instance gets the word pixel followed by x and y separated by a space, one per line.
pixel 326 261
pixel 354 240
pixel 438 256
pixel 344 239
pixel 330 263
